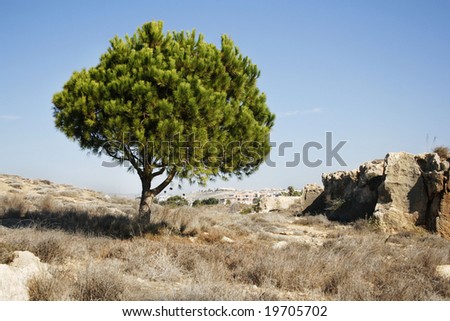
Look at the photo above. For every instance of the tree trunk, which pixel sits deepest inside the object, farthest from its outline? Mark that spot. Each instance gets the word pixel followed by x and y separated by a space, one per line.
pixel 145 206
pixel 147 196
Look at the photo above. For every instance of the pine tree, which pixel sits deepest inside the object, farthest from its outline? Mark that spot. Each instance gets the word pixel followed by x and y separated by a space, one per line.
pixel 169 104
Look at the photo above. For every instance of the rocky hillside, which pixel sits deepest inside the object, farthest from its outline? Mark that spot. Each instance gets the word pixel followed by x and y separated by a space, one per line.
pixel 401 192
pixel 30 195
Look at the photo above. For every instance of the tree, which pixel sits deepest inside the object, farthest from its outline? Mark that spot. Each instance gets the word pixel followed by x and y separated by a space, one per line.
pixel 210 201
pixel 169 105
pixel 176 200
pixel 292 192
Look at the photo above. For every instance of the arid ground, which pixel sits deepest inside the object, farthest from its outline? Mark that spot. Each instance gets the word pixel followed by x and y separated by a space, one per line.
pixel 94 251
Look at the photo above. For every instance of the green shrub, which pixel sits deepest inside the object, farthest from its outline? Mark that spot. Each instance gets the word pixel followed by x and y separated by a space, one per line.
pixel 176 200
pixel 247 210
pixel 207 201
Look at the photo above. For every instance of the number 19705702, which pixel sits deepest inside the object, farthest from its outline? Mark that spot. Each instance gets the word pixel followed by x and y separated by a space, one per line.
pixel 296 311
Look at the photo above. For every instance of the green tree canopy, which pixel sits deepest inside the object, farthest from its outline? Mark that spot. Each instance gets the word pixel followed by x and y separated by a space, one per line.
pixel 169 104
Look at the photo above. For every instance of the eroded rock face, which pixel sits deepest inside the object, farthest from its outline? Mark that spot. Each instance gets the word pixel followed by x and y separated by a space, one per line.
pixel 310 193
pixel 402 197
pixel 443 220
pixel 349 195
pixel 15 276
pixel 401 192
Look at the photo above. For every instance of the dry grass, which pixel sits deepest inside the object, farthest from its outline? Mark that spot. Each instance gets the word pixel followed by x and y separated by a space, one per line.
pixel 49 250
pixel 6 253
pixel 442 151
pixel 184 257
pixel 98 284
pixel 44 288
pixel 92 283
pixel 16 203
pixel 315 220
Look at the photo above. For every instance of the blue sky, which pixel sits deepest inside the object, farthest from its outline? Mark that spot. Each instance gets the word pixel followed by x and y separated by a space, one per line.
pixel 375 73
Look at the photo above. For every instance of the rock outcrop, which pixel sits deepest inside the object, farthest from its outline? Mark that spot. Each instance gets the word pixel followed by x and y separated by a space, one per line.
pixel 279 203
pixel 310 194
pixel 15 276
pixel 400 192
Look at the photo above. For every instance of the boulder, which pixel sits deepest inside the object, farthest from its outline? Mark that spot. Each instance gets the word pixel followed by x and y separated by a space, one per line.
pixel 401 191
pixel 443 271
pixel 15 276
pixel 226 240
pixel 277 203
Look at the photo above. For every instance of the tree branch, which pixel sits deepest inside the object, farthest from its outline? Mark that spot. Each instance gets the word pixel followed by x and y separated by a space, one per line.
pixel 158 172
pixel 133 161
pixel 163 185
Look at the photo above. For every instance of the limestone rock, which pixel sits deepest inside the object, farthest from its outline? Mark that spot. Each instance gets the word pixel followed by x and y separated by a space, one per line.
pixel 280 245
pixel 402 191
pixel 268 204
pixel 310 193
pixel 14 277
pixel 443 221
pixel 429 162
pixel 370 171
pixel 339 184
pixel 226 240
pixel 353 194
pixel 443 271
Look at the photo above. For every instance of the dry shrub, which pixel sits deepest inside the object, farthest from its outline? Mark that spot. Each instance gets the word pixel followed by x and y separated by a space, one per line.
pixel 211 291
pixel 44 288
pixel 412 277
pixel 71 193
pixel 364 226
pixel 113 251
pixel 50 250
pixel 442 151
pixel 357 264
pixel 178 221
pixel 51 246
pixel 48 204
pixel 163 267
pixel 122 200
pixel 98 284
pixel 15 203
pixel 362 268
pixel 238 207
pixel 48 246
pixel 6 253
pixel 75 221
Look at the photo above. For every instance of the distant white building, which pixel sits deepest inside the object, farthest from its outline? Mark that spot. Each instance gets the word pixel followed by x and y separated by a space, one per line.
pixel 231 195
